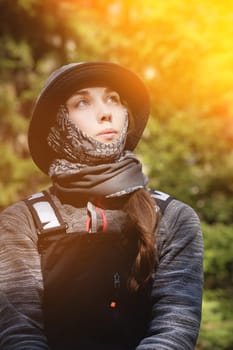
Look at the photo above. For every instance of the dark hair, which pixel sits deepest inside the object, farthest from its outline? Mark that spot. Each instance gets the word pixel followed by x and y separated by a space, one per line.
pixel 140 208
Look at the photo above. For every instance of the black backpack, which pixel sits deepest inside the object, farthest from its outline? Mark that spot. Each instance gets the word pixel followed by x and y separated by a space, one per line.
pixel 86 302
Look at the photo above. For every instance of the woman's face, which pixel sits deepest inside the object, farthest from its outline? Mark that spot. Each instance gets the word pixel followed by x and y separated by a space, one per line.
pixel 98 111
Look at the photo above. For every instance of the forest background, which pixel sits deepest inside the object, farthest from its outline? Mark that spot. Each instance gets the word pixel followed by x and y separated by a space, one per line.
pixel 184 52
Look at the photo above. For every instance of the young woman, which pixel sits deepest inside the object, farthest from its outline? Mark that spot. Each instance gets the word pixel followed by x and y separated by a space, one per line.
pixel 122 268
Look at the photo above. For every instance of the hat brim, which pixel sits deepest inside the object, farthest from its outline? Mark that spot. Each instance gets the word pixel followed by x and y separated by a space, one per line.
pixel 68 79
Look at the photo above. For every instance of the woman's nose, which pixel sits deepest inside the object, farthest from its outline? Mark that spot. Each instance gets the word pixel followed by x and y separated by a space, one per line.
pixel 104 116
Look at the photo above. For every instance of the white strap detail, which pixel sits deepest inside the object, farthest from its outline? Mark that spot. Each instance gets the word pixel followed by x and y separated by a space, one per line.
pixel 93 215
pixel 46 214
pixel 36 195
pixel 160 195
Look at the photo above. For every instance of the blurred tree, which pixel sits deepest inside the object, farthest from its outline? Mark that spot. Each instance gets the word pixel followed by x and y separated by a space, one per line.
pixel 217 320
pixel 191 158
pixel 184 52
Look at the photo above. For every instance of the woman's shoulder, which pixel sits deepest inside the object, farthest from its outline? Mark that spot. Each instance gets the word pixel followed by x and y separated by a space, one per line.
pixel 172 208
pixel 178 212
pixel 17 219
pixel 179 228
pixel 178 218
pixel 15 209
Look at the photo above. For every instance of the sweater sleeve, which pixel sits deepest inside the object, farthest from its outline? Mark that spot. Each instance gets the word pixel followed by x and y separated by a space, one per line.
pixel 21 325
pixel 178 282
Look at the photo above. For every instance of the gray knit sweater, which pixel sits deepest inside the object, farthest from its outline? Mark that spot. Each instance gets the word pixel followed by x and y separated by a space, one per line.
pixel 177 287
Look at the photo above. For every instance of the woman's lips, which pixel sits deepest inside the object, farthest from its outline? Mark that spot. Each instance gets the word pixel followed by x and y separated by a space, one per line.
pixel 107 133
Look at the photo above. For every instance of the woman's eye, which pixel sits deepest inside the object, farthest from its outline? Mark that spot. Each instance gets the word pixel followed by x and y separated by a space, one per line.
pixel 114 98
pixel 81 103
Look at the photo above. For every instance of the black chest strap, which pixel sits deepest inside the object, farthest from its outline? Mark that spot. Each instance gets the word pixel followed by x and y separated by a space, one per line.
pixel 48 219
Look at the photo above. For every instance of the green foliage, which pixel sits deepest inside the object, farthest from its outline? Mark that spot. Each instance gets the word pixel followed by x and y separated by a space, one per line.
pixel 217 320
pixel 180 158
pixel 218 256
pixel 17 176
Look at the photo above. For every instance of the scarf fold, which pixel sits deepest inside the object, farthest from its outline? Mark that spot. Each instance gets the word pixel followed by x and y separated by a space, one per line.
pixel 106 180
pixel 89 170
pixel 73 144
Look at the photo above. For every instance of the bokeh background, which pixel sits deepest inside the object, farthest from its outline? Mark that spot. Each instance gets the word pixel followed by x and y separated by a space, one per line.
pixel 183 50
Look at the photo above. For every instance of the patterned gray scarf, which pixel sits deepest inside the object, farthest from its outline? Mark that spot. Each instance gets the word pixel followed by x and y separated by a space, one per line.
pixel 77 149
pixel 87 168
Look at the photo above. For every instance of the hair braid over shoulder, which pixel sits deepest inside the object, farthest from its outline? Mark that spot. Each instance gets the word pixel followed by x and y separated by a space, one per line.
pixel 141 210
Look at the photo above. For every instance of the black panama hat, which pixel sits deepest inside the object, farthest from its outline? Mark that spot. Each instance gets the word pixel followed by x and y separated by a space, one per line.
pixel 64 81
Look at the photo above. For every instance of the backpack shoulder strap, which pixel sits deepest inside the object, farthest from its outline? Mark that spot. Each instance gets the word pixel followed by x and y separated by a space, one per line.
pixel 45 213
pixel 162 199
